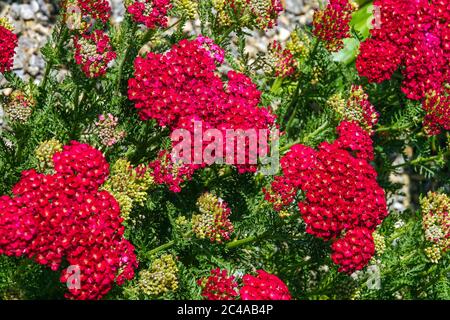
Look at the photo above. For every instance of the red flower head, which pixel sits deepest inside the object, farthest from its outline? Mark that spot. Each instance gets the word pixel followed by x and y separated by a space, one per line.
pixel 415 36
pixel 151 13
pixel 340 186
pixel 8 44
pixel 182 86
pixel 437 107
pixel 332 24
pixel 264 286
pixel 353 251
pixel 80 15
pixel 218 286
pixel 64 216
pixel 169 172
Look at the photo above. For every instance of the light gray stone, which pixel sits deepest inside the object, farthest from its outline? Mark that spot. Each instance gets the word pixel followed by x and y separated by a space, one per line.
pixel 26 12
pixel 15 11
pixel 33 70
pixel 34 6
pixel 37 61
pixel 43 7
pixel 284 34
pixel 20 73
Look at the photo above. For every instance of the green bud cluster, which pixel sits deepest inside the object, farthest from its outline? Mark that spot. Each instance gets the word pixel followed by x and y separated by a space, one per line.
pixel 316 75
pixel 337 103
pixel 222 10
pixel 299 45
pixel 380 243
pixel 188 8
pixel 355 108
pixel 19 107
pixel 433 253
pixel 160 278
pixel 182 224
pixel 128 185
pixel 44 153
pixel 259 14
pixel 4 22
pixel 436 224
pixel 212 222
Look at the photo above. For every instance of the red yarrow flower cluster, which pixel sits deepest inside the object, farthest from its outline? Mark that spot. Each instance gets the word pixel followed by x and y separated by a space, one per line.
pixel 216 52
pixel 437 107
pixel 219 286
pixel 331 25
pixel 339 185
pixel 64 217
pixel 94 53
pixel 151 13
pixel 8 45
pixel 81 15
pixel 415 37
pixel 384 53
pixel 354 250
pixel 263 286
pixel 181 87
pixel 96 9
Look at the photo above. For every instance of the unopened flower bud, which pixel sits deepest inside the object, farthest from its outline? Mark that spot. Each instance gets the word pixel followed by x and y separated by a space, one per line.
pixel 160 278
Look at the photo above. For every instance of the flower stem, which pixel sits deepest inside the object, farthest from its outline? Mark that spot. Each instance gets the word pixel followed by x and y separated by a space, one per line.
pixel 242 242
pixel 60 40
pixel 418 161
pixel 162 247
pixel 230 245
pixel 124 60
pixel 166 245
pixel 393 128
pixel 291 112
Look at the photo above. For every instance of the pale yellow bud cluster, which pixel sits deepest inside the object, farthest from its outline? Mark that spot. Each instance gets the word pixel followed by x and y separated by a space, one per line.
pixel 44 153
pixel 436 224
pixel 222 8
pixel 188 8
pixel 212 222
pixel 356 295
pixel 128 185
pixel 283 214
pixel 355 5
pixel 433 253
pixel 337 103
pixel 160 278
pixel 299 46
pixel 4 22
pixel 181 221
pixel 316 75
pixel 356 108
pixel 251 13
pixel 20 106
pixel 380 244
pixel 182 224
pixel 202 224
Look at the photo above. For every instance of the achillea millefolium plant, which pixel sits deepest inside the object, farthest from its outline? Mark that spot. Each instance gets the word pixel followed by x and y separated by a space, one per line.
pixel 94 204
